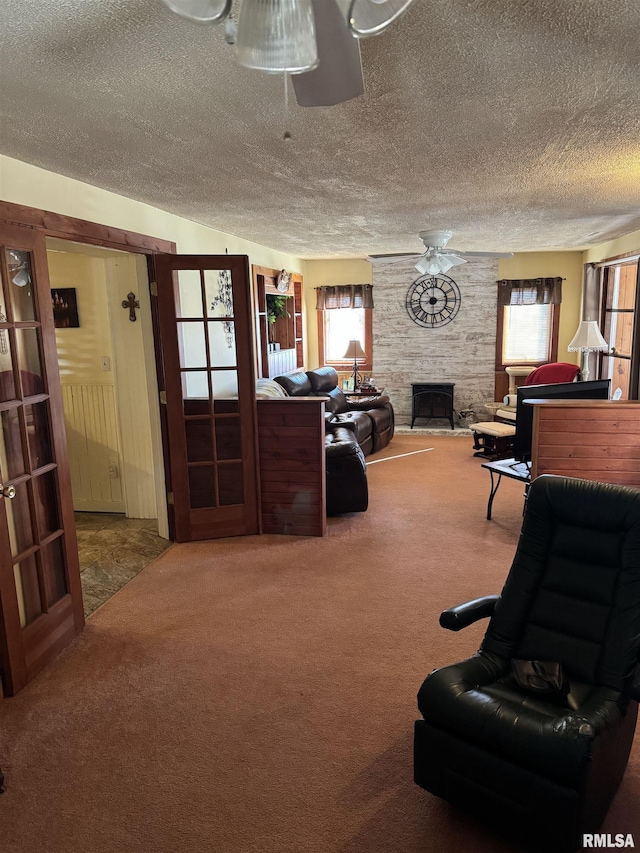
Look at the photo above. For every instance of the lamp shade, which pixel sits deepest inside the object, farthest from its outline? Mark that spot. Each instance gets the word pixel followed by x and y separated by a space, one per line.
pixel 277 36
pixel 588 338
pixel 354 350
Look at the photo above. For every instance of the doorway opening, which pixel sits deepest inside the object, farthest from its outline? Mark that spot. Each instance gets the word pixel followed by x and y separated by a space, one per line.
pixel 109 391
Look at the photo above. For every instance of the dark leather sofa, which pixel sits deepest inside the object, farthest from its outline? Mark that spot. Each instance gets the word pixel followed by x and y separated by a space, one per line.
pixel 347 488
pixel 370 419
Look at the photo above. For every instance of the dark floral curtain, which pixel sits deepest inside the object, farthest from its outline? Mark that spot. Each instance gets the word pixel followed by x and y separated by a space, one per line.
pixel 530 291
pixel 344 296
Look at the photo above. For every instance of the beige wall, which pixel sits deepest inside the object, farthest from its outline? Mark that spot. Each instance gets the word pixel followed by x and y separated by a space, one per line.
pixel 323 274
pixel 568 265
pixel 629 244
pixel 80 350
pixel 22 183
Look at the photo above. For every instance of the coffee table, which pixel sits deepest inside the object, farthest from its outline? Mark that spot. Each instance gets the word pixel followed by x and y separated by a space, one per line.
pixel 513 471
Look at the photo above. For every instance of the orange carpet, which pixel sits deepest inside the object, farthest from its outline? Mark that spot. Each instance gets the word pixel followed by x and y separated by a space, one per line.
pixel 258 694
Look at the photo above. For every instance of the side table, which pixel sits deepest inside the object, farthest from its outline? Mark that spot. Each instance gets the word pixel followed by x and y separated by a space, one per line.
pixel 513 471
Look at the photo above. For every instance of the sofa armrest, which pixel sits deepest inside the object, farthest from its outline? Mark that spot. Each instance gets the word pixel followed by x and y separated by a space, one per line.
pixel 365 403
pixel 456 618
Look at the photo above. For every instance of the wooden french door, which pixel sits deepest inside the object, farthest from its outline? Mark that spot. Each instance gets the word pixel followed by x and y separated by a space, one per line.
pixel 204 307
pixel 40 591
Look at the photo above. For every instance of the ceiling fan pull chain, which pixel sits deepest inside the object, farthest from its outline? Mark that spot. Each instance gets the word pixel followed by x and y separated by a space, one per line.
pixel 286 135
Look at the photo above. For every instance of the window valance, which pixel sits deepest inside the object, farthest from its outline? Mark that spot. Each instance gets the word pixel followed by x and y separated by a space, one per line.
pixel 344 296
pixel 530 291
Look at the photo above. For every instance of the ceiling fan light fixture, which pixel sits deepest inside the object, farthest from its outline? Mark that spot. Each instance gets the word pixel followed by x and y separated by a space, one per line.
pixel 201 11
pixel 372 17
pixel 277 36
pixel 432 263
pixel 428 265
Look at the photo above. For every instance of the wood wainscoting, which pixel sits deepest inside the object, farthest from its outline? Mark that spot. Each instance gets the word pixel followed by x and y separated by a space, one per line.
pixel 588 439
pixel 292 466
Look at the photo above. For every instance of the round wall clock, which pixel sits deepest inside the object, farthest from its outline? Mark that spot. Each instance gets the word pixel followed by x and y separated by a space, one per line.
pixel 433 300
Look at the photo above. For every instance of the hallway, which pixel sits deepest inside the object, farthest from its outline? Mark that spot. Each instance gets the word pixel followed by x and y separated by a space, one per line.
pixel 113 549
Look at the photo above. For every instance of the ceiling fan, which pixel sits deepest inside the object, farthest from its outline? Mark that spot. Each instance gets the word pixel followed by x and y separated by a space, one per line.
pixel 438 259
pixel 314 40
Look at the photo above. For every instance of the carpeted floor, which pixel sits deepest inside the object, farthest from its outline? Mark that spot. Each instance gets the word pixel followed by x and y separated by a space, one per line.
pixel 258 694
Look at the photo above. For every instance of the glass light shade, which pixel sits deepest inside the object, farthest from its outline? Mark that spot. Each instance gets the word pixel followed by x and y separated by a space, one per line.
pixel 201 11
pixel 277 36
pixel 371 17
pixel 429 265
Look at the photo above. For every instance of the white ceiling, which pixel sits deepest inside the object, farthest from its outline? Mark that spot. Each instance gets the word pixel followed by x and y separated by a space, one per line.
pixel 514 123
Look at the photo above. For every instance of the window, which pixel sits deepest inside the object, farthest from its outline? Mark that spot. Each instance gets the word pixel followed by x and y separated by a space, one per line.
pixel 619 305
pixel 338 326
pixel 527 324
pixel 527 334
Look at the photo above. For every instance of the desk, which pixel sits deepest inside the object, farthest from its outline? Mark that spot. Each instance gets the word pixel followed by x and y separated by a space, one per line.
pixel 506 468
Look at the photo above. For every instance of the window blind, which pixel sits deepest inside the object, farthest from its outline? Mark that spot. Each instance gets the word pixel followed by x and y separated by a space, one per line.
pixel 526 334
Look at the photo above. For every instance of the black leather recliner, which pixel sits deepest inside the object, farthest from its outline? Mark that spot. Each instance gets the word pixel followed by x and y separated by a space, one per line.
pixel 542 762
pixel 347 488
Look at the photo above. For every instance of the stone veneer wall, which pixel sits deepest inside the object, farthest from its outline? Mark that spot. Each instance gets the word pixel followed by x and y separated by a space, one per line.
pixel 463 351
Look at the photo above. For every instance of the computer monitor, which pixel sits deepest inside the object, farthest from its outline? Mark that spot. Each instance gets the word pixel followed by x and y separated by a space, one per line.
pixel 597 389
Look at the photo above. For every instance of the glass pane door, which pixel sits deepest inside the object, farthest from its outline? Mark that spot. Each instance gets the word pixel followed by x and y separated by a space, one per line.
pixel 204 308
pixel 40 593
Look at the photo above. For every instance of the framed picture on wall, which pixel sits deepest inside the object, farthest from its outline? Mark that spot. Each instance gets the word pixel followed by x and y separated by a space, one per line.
pixel 65 308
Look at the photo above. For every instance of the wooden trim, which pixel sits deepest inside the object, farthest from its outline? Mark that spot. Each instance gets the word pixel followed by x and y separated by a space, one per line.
pixel 555 328
pixel 615 258
pixel 83 231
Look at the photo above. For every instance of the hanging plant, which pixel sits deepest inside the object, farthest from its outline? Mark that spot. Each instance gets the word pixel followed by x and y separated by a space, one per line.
pixel 276 307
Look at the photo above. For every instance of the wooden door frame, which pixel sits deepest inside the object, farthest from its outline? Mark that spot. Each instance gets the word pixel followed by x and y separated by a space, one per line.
pixel 107 237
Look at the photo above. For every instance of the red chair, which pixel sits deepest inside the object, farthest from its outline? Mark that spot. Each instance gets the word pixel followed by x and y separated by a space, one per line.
pixel 557 371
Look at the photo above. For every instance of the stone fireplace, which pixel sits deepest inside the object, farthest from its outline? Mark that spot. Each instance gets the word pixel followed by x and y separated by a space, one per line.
pixel 461 352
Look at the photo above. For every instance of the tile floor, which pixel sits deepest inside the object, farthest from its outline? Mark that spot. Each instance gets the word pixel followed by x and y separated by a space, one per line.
pixel 112 550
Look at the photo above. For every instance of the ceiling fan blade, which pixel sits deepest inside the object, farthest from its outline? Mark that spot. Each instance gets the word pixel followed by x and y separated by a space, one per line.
pixel 394 258
pixel 338 76
pixel 453 258
pixel 483 254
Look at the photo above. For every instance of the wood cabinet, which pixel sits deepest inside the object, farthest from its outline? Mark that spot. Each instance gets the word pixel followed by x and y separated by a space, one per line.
pixel 279 345
pixel 589 439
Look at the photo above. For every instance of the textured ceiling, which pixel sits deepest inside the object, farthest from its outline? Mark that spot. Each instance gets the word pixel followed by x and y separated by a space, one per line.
pixel 514 123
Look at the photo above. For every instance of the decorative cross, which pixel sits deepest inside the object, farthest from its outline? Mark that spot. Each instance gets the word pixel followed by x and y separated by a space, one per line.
pixel 131 303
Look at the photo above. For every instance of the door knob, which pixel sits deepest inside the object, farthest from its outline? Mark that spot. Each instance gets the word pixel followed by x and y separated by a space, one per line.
pixel 7 491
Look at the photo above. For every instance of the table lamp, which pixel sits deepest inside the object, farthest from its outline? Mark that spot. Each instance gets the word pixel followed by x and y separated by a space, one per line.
pixel 587 339
pixel 355 352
